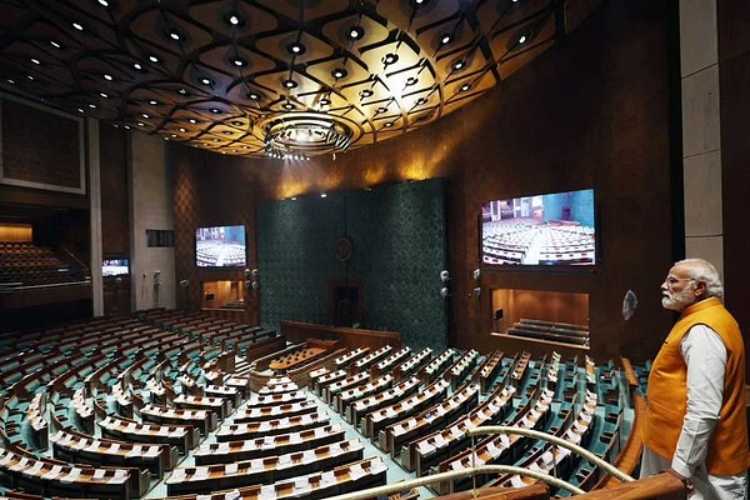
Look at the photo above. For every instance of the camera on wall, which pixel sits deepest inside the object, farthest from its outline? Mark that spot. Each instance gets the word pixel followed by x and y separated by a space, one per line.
pixel 251 279
pixel 444 278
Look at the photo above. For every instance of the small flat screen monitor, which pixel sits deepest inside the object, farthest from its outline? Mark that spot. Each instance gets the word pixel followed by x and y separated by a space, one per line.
pixel 555 229
pixel 221 246
pixel 115 267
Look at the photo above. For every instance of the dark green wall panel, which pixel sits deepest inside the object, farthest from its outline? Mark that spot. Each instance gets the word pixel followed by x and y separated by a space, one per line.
pixel 399 248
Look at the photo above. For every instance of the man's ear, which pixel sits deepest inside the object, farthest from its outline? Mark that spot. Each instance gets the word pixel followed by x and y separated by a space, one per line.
pixel 700 289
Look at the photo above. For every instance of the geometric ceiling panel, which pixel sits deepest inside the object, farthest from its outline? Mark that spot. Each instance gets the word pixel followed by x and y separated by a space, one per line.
pixel 273 77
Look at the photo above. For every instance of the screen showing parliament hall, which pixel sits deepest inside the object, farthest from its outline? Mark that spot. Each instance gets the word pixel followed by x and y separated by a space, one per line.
pixel 383 249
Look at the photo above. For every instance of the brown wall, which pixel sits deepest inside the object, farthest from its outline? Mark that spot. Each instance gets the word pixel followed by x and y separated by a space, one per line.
pixel 734 74
pixel 113 143
pixel 210 190
pixel 593 111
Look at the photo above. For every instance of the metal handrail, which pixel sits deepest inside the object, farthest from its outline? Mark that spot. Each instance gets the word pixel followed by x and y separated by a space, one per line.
pixel 444 476
pixel 508 469
pixel 504 429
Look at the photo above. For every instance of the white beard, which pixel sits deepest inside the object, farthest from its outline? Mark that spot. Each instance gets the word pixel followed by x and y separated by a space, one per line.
pixel 677 301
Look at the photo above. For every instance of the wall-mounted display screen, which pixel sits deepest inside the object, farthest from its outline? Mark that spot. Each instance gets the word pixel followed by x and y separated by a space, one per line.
pixel 548 229
pixel 221 246
pixel 115 267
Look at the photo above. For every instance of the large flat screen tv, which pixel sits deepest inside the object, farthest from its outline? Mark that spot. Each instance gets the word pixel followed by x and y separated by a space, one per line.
pixel 115 267
pixel 221 246
pixel 555 229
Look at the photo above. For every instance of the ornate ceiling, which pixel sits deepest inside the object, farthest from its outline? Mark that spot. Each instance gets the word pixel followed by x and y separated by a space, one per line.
pixel 273 77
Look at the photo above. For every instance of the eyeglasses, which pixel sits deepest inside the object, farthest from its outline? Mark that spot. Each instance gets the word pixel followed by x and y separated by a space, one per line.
pixel 671 281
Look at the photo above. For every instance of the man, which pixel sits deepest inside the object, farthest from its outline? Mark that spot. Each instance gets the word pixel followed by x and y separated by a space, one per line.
pixel 696 425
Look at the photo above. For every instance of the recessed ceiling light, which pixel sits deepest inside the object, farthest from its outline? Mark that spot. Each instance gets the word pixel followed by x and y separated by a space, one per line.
pixel 174 34
pixel 78 26
pixel 153 102
pixel 465 87
pixel 80 110
pixel 55 44
pixel 153 59
pixel 108 77
pixel 366 93
pixel 421 101
pixel 296 48
pixel 11 81
pixel 234 19
pixel 126 127
pixel 206 81
pixel 30 77
pixel 103 95
pixel 446 39
pixel 137 66
pixel 339 73
pixel 103 3
pixel 92 106
pixel 141 124
pixel 182 91
pixel 193 121
pixel 388 124
pixel 522 39
pixel 35 61
pixel 173 135
pixel 239 62
pixel 419 2
pixel 253 96
pixel 288 106
pixel 227 132
pixel 412 80
pixel 323 195
pixel 458 65
pixel 146 115
pixel 356 32
pixel 382 109
pixel 390 58
pixel 290 84
pixel 325 101
pixel 215 111
pixel 237 123
pixel 183 129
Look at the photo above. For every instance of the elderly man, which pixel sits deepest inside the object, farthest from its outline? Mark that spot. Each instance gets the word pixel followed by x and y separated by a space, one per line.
pixel 696 425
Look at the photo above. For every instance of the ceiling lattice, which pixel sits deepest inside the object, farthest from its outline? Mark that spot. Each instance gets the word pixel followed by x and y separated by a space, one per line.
pixel 260 77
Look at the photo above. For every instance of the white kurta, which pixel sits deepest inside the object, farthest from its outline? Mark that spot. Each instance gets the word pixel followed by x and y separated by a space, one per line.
pixel 706 357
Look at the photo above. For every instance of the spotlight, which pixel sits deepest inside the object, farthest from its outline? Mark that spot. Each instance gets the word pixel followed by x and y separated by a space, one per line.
pixel 295 48
pixel 421 101
pixel 288 106
pixel 290 84
pixel 234 19
pixel 78 26
pixel 36 61
pixel 193 121
pixel 183 91
pixel 153 59
pixel 446 39
pixel 356 32
pixel 388 124
pixel 137 66
pixel 175 35
pixel 465 87
pixel 153 102
pixel 206 81
pixel 11 81
pixel 390 58
pixel 339 73
pixel 215 111
pixel 103 95
pixel 522 39
pixel 323 195
pixel 253 96
pixel 366 93
pixel 55 44
pixel 239 62
pixel 146 116
pixel 126 127
pixel 382 109
pixel 92 106
pixel 141 124
pixel 80 110
pixel 458 65
pixel 183 129
pixel 30 77
pixel 108 77
pixel 325 102
pixel 103 3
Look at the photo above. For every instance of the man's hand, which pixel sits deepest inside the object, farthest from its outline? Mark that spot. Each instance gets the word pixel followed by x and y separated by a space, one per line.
pixel 689 486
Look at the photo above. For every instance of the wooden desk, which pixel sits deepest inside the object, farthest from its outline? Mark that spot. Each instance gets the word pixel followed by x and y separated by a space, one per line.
pixel 297 331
